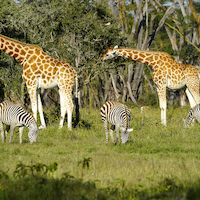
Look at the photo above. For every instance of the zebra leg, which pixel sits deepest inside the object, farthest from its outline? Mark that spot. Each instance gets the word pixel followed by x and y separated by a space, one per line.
pixel 111 133
pixel 11 132
pixel 106 131
pixel 6 131
pixel 21 134
pixel 117 133
pixel 2 132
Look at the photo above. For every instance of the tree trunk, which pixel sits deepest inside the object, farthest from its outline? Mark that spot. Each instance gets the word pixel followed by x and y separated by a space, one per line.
pixel 114 87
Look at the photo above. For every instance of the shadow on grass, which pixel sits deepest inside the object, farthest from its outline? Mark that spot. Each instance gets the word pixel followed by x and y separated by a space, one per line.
pixel 36 182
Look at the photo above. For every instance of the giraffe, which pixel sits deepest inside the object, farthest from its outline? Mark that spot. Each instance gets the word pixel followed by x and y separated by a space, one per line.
pixel 43 71
pixel 167 73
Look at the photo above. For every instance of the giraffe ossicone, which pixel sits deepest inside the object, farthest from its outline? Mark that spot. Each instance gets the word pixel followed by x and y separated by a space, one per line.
pixel 42 71
pixel 167 73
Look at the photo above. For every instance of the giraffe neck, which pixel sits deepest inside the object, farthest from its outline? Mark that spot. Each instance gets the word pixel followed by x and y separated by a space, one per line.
pixel 152 58
pixel 18 50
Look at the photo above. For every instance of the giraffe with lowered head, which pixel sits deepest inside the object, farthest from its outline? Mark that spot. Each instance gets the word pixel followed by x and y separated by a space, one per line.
pixel 43 71
pixel 167 73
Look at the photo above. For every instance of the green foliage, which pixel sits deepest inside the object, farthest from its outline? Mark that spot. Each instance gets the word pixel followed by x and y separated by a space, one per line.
pixel 74 31
pixel 85 163
pixel 23 170
pixel 79 32
pixel 69 187
pixel 52 114
pixel 148 99
pixel 3 175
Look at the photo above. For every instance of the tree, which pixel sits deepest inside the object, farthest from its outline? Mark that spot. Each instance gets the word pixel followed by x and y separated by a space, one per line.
pixel 79 32
pixel 196 15
pixel 73 31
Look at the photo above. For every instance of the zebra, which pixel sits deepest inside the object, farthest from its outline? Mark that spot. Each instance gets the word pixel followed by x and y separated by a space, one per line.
pixel 194 113
pixel 119 116
pixel 14 115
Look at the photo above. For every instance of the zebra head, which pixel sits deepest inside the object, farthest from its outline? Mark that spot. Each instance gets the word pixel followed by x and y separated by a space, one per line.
pixel 185 124
pixel 33 134
pixel 189 118
pixel 125 134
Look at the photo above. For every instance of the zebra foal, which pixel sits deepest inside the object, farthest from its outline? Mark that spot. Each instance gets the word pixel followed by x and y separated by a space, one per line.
pixel 14 115
pixel 119 116
pixel 194 113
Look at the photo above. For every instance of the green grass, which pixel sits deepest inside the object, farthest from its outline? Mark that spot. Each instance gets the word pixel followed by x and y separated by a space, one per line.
pixel 158 162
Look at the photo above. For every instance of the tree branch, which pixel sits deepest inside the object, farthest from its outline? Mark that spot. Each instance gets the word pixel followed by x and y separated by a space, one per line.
pixel 183 36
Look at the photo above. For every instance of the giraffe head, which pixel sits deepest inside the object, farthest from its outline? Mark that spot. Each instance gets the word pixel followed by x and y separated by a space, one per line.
pixel 110 53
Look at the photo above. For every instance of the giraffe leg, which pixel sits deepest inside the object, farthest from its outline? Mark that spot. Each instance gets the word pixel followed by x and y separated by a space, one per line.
pixel 33 97
pixel 163 104
pixel 192 82
pixel 190 98
pixel 69 117
pixel 66 105
pixel 40 110
pixel 62 110
pixel 36 105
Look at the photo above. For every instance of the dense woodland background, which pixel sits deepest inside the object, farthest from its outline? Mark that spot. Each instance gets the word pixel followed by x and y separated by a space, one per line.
pixel 79 32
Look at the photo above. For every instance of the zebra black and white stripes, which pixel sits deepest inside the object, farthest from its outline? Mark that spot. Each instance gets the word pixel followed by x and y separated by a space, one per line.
pixel 194 113
pixel 119 116
pixel 14 115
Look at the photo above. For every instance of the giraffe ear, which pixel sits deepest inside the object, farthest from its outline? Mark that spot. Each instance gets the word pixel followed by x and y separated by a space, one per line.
pixel 116 47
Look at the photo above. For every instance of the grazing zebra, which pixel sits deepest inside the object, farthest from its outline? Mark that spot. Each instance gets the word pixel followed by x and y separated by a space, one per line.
pixel 14 115
pixel 194 113
pixel 119 116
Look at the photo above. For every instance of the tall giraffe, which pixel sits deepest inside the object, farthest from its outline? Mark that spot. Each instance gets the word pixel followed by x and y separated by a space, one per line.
pixel 43 71
pixel 167 74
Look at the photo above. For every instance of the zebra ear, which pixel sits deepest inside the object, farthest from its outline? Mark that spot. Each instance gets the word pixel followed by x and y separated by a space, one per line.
pixel 40 127
pixel 130 130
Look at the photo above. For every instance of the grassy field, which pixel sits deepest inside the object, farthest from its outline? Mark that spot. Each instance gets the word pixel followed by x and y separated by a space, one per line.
pixel 157 162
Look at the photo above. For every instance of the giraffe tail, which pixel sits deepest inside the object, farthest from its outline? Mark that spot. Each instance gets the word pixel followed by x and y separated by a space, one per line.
pixel 76 102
